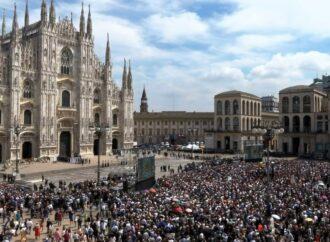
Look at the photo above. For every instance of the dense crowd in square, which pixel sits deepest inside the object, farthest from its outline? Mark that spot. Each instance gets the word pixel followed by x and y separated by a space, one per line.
pixel 205 201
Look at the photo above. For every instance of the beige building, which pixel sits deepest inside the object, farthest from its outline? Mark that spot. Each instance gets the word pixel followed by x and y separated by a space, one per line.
pixel 304 112
pixel 53 84
pixel 174 127
pixel 235 113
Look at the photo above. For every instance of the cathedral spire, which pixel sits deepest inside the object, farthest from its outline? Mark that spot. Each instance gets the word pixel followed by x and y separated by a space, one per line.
pixel 129 75
pixel 107 52
pixel 144 102
pixel 52 16
pixel 15 24
pixel 89 22
pixel 82 20
pixel 3 24
pixel 124 84
pixel 43 11
pixel 26 22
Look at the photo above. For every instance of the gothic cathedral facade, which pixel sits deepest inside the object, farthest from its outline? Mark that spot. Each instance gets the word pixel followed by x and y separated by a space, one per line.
pixel 54 86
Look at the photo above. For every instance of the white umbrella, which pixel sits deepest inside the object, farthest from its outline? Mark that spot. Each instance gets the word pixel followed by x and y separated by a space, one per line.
pixel 275 216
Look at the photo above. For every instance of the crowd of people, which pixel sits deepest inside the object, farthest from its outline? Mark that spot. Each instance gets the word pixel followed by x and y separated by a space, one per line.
pixel 206 201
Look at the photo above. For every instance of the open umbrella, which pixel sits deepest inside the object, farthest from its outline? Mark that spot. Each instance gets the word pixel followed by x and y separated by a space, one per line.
pixel 309 220
pixel 152 190
pixel 188 210
pixel 177 210
pixel 275 216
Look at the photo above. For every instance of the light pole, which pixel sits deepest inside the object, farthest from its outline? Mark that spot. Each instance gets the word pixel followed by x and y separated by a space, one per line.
pixel 17 130
pixel 98 129
pixel 192 132
pixel 268 134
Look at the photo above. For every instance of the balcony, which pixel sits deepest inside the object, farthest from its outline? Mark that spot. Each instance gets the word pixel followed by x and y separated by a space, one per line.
pixel 66 112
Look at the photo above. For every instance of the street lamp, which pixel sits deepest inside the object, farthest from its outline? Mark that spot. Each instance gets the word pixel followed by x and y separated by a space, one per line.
pixel 192 132
pixel 98 129
pixel 17 130
pixel 268 134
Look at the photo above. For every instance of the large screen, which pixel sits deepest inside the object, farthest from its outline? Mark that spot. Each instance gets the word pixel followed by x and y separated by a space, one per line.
pixel 145 168
pixel 253 152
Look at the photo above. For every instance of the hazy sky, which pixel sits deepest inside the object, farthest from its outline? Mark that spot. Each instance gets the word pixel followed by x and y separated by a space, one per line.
pixel 186 51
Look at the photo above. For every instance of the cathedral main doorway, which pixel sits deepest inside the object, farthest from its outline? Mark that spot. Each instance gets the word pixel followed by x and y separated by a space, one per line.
pixel 27 150
pixel 114 144
pixel 65 144
pixel 96 147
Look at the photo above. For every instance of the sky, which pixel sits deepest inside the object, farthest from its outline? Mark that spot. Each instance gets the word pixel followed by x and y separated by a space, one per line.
pixel 186 51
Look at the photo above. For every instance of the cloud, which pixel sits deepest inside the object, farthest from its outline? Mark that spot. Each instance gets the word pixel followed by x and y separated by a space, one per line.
pixel 251 42
pixel 186 26
pixel 301 16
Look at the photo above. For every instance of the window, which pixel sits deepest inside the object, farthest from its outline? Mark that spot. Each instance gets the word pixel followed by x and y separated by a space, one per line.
pixel 285 105
pixel 150 123
pixel 227 124
pixel 307 124
pixel 173 122
pixel 114 120
pixel 66 61
pixel 235 107
pixel 243 107
pixel 27 118
pixel 306 104
pixel 227 108
pixel 65 98
pixel 286 122
pixel 97 96
pixel 295 104
pixel 319 128
pixel 97 119
pixel 219 123
pixel 150 131
pixel 27 89
pixel 181 123
pixel 296 124
pixel 236 124
pixel 196 123
pixel 219 108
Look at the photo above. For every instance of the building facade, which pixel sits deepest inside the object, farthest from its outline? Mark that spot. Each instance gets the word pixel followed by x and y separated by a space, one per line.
pixel 304 111
pixel 174 127
pixel 269 104
pixel 53 84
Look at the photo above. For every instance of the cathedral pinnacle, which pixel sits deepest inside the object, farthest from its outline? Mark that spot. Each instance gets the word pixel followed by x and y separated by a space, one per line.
pixel 89 22
pixel 107 52
pixel 129 76
pixel 124 84
pixel 3 24
pixel 82 20
pixel 43 11
pixel 52 16
pixel 26 22
pixel 15 24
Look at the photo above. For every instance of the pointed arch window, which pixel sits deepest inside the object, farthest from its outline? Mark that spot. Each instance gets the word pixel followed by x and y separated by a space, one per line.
pixel 114 120
pixel 66 99
pixel 66 61
pixel 285 105
pixel 27 117
pixel 27 89
pixel 97 96
pixel 97 119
